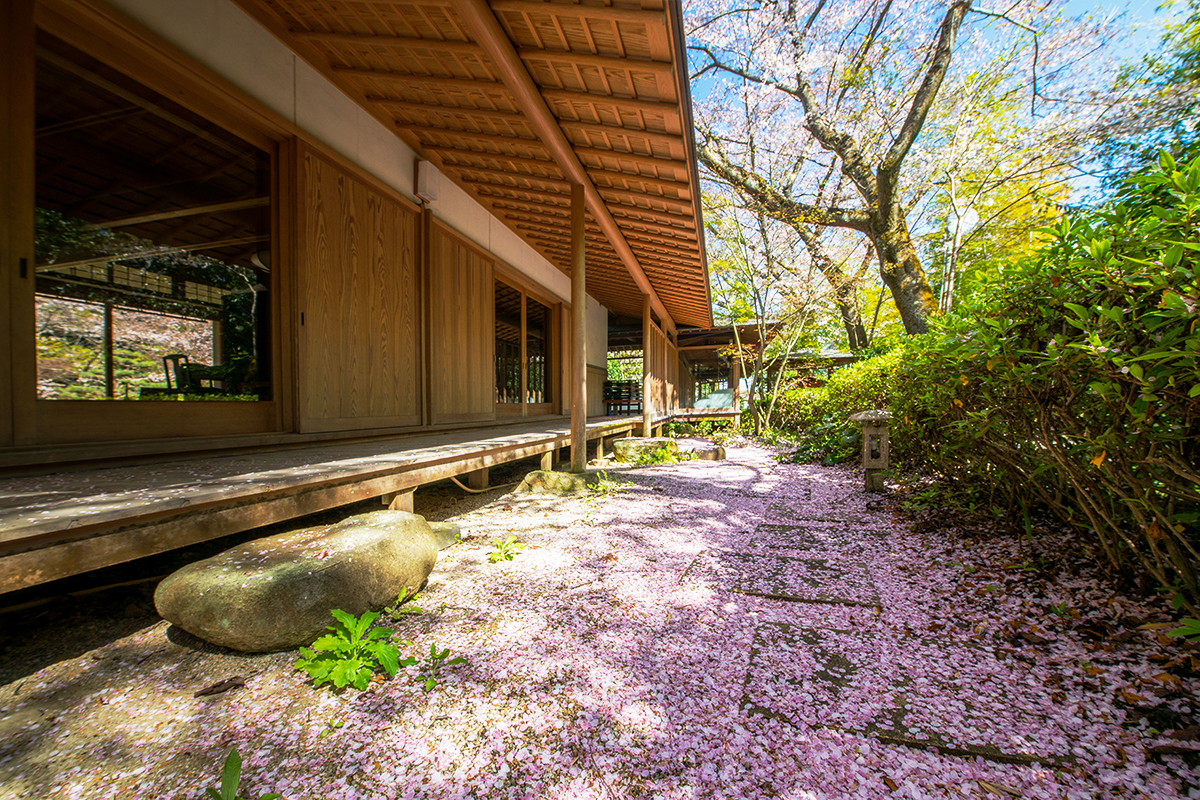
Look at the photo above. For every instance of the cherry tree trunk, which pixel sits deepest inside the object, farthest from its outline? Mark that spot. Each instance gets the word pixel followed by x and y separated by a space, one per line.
pixel 900 268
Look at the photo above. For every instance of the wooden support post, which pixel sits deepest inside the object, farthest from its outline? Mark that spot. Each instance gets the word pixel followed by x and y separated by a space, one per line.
pixel 548 460
pixel 478 479
pixel 735 383
pixel 579 330
pixel 600 448
pixel 399 501
pixel 647 332
pixel 110 383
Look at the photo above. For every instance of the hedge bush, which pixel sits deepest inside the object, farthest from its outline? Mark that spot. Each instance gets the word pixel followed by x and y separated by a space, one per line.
pixel 1071 379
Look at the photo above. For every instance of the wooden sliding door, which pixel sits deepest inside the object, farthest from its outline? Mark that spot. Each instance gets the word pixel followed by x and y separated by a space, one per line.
pixel 461 330
pixel 358 300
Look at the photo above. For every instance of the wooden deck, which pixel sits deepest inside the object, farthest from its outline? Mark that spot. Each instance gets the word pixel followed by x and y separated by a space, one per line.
pixel 60 524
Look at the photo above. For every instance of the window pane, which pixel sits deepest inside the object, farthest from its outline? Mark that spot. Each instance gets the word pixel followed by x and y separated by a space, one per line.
pixel 153 243
pixel 508 344
pixel 537 352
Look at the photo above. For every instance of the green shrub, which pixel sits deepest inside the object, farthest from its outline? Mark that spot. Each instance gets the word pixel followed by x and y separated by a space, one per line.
pixel 1070 380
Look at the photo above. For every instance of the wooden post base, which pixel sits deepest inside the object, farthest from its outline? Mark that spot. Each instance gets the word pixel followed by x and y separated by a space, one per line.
pixel 478 479
pixel 399 501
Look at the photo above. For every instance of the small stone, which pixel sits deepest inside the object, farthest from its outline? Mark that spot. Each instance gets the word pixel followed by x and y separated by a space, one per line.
pixel 709 453
pixel 633 449
pixel 276 593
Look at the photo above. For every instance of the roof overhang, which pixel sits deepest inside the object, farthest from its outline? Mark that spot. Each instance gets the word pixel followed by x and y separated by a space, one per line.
pixel 515 100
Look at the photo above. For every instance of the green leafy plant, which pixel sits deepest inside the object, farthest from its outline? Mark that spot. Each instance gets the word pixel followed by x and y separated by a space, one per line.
pixel 231 776
pixel 506 549
pixel 334 724
pixel 351 653
pixel 1189 628
pixel 435 662
pixel 606 485
pixel 406 605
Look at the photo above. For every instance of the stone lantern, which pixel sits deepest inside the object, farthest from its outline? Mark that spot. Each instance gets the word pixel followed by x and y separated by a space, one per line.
pixel 875 446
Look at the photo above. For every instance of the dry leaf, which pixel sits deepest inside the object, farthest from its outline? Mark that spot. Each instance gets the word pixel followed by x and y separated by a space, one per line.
pixel 1094 671
pixel 1169 680
pixel 891 784
pixel 1155 533
pixel 1130 697
pixel 1098 460
pixel 1188 734
pixel 1156 626
pixel 1121 755
pixel 998 789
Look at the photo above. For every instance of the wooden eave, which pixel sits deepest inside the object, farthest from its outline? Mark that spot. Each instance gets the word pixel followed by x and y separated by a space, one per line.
pixel 514 100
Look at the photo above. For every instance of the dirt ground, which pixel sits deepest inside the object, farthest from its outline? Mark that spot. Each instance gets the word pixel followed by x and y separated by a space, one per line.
pixel 639 646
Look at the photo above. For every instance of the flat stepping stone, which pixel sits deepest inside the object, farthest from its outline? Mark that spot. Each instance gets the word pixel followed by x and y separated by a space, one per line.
pixel 808 537
pixel 797 579
pixel 952 695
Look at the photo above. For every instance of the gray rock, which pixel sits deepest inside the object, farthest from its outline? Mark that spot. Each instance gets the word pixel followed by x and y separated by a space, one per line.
pixel 635 448
pixel 446 534
pixel 709 453
pixel 546 482
pixel 276 593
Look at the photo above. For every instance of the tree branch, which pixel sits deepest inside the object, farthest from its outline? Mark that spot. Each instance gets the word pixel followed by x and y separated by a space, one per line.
pixel 889 169
pixel 768 199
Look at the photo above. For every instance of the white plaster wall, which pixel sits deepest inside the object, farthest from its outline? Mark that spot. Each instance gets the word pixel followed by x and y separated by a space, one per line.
pixel 228 41
pixel 597 335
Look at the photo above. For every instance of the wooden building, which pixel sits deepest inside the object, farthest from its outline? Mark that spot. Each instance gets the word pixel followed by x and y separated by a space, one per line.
pixel 351 216
pixel 239 224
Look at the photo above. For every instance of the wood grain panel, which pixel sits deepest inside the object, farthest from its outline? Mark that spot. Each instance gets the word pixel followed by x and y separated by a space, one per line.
pixel 461 330
pixel 357 275
pixel 663 359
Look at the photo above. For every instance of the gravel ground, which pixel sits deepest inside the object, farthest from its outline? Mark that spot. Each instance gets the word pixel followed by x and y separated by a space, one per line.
pixel 703 629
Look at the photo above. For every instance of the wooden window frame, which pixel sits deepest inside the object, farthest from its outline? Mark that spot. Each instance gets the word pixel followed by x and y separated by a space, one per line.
pixel 104 34
pixel 518 282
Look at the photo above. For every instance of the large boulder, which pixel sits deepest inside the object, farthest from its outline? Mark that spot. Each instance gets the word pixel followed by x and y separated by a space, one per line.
pixel 446 534
pixel 276 593
pixel 637 449
pixel 547 482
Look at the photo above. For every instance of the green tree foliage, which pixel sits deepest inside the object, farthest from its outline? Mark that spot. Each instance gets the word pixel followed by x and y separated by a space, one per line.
pixel 1072 377
pixel 1163 105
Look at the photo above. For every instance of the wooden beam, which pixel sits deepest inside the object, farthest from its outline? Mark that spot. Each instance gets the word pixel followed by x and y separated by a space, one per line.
pixel 629 224
pixel 624 194
pixel 459 152
pixel 596 61
pixel 653 137
pixel 483 136
pixel 417 107
pixel 608 13
pixel 665 248
pixel 192 211
pixel 520 189
pixel 670 216
pixel 407 42
pixel 670 110
pixel 487 30
pixel 503 173
pixel 661 183
pixel 634 158
pixel 579 331
pixel 466 84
